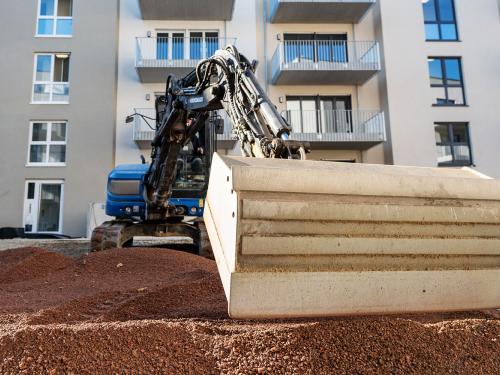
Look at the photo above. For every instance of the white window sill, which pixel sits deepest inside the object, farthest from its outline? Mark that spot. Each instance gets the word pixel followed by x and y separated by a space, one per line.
pixel 45 165
pixel 53 36
pixel 57 103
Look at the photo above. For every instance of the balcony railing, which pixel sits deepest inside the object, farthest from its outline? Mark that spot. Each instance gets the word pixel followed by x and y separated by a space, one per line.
pixel 344 126
pixel 319 11
pixel 143 128
pixel 325 62
pixel 157 57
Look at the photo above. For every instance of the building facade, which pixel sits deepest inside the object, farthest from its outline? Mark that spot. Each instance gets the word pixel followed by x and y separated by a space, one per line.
pixel 405 82
pixel 57 111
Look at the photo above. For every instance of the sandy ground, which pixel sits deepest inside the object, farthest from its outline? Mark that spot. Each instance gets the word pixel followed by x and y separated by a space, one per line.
pixel 158 311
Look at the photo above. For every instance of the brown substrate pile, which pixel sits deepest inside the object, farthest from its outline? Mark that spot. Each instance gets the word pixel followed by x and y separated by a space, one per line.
pixel 161 311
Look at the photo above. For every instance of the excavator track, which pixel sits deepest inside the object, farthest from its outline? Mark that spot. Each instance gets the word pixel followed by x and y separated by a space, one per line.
pixel 120 234
pixel 109 235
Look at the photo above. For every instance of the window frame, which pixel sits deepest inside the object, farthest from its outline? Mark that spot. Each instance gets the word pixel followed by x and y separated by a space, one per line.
pixel 168 52
pixel 52 82
pixel 440 22
pixel 445 84
pixel 47 143
pixel 452 144
pixel 54 18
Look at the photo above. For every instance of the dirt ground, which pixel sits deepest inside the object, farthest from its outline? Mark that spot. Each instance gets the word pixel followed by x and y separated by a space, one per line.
pixel 159 311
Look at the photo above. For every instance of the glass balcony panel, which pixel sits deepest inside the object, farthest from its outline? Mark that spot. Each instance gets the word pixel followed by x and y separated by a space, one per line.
pixel 462 153
pixel 196 46
pixel 431 31
pixel 455 96
pixel 45 26
pixel 64 27
pixel 162 48
pixel 444 154
pixel 60 93
pixel 448 32
pixel 212 43
pixel 41 93
pixel 178 47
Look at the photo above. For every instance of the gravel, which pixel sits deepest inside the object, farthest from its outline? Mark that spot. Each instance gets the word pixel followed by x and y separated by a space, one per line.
pixel 146 310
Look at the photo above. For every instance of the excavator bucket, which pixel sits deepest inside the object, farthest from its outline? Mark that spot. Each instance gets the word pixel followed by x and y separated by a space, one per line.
pixel 310 239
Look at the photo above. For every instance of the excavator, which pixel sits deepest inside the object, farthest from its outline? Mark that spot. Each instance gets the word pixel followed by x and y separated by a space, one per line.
pixel 299 238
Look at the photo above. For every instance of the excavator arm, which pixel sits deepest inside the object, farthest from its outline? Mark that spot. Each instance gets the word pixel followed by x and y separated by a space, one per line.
pixel 225 81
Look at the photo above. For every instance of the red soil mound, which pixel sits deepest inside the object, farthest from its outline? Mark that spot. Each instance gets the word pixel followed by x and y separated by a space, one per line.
pixel 111 285
pixel 30 263
pixel 107 302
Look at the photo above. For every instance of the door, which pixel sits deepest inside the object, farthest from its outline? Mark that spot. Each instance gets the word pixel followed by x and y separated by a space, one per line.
pixel 335 114
pixel 43 206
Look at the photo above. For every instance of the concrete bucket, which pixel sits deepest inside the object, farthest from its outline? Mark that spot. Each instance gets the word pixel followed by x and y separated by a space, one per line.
pixel 308 238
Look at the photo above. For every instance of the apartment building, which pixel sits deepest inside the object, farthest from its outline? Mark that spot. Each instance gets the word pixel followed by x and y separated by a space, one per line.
pixel 57 111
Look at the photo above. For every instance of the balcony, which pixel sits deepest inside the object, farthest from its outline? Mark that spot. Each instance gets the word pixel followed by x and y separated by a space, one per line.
pixel 324 62
pixel 193 10
pixel 319 11
pixel 143 129
pixel 338 129
pixel 156 58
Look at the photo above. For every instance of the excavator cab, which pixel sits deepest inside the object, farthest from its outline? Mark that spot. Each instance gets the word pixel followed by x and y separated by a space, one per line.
pixel 124 197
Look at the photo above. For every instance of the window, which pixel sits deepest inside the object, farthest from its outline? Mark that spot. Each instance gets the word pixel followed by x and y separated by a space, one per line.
pixel 315 48
pixel 446 81
pixel 453 145
pixel 43 206
pixel 55 18
pixel 47 143
pixel 440 22
pixel 319 114
pixel 171 45
pixel 51 78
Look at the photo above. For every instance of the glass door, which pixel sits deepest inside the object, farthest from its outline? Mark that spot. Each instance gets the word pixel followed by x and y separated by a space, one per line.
pixel 320 114
pixel 203 44
pixel 342 114
pixel 162 46
pixel 43 207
